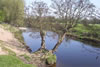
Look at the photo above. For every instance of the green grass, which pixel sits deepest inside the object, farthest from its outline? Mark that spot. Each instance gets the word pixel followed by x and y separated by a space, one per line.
pixel 80 29
pixel 26 57
pixel 18 35
pixel 12 61
pixel 9 28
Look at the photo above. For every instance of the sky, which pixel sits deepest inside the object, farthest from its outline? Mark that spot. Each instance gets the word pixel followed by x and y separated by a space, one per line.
pixel 95 2
pixel 30 1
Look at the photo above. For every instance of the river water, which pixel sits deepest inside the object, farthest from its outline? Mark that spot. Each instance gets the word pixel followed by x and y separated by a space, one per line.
pixel 70 53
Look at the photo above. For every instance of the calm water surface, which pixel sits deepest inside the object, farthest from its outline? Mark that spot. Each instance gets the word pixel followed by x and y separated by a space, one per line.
pixel 70 53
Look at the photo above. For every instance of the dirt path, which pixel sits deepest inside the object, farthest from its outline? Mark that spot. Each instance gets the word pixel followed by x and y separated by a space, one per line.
pixel 5 35
pixel 10 42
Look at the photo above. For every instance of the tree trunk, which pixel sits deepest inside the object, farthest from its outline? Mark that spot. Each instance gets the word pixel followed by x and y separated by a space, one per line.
pixel 42 33
pixel 59 42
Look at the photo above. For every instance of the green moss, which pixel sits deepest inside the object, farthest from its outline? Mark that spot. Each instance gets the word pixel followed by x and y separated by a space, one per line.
pixel 12 61
pixel 51 58
pixel 47 56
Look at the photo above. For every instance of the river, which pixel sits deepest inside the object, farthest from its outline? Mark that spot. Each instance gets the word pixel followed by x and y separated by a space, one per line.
pixel 70 53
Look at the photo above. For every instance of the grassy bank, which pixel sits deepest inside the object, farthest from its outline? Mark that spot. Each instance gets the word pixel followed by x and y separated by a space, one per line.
pixel 9 56
pixel 12 61
pixel 17 33
pixel 92 32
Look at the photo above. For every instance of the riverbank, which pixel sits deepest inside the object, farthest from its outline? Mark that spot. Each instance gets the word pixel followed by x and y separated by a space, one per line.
pixel 90 32
pixel 12 51
pixel 84 38
pixel 12 44
pixel 84 33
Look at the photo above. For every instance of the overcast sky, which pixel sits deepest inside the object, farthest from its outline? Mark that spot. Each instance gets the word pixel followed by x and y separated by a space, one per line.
pixel 95 2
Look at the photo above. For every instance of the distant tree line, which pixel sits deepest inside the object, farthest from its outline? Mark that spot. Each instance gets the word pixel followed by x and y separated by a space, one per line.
pixel 91 21
pixel 69 12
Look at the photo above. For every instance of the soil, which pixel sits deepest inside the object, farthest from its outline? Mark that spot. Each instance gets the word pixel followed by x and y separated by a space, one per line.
pixel 8 41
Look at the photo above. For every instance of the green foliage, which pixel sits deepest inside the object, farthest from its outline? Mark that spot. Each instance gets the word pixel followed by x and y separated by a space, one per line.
pixel 12 61
pixel 51 58
pixel 13 10
pixel 1 16
pixel 91 30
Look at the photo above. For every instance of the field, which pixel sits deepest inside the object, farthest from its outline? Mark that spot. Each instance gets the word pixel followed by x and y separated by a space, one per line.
pixel 92 31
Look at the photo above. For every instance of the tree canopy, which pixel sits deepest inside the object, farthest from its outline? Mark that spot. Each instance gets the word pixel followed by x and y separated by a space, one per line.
pixel 13 11
pixel 72 11
pixel 1 16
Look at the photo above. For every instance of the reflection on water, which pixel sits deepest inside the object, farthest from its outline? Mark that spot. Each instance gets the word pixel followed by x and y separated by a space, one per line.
pixel 70 53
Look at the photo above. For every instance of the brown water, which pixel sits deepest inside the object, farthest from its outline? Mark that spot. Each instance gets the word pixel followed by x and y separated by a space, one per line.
pixel 70 53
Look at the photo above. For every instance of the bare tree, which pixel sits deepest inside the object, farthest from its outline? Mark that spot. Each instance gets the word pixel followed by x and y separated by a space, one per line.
pixel 36 13
pixel 97 14
pixel 71 11
pixel 39 10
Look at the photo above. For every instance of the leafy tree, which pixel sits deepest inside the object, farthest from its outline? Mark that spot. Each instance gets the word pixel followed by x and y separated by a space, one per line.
pixel 14 11
pixel 1 16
